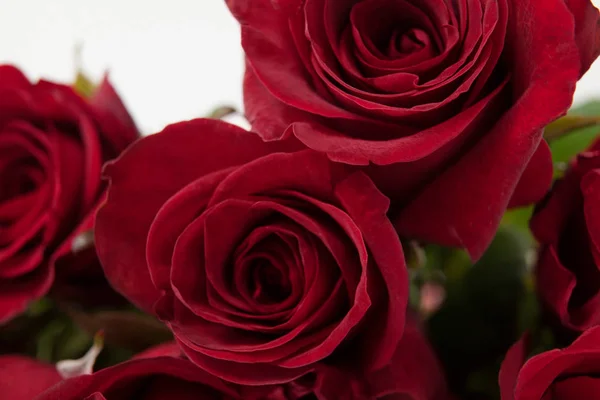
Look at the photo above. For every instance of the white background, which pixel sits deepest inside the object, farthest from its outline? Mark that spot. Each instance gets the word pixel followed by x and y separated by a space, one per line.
pixel 170 60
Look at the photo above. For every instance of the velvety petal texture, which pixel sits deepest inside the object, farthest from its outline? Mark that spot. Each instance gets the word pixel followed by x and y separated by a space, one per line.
pixel 446 99
pixel 158 377
pixel 262 260
pixel 52 147
pixel 161 373
pixel 23 378
pixel 414 373
pixel 567 227
pixel 569 373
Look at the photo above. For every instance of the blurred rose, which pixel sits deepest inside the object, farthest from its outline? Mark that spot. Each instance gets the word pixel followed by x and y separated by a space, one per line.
pixel 52 146
pixel 570 373
pixel 567 225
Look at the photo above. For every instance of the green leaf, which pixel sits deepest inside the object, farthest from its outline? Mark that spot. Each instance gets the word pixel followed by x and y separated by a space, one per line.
pixel 529 308
pixel 480 319
pixel 47 339
pixel 72 343
pixel 39 307
pixel 518 219
pixel 414 296
pixel 569 123
pixel 566 147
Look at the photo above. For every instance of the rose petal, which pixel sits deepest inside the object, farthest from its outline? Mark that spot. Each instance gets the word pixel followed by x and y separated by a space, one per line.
pixel 511 366
pixel 539 170
pixel 24 378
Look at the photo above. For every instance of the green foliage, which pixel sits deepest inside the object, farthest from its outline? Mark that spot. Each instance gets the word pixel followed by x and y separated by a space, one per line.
pixel 564 148
pixel 518 219
pixel 480 319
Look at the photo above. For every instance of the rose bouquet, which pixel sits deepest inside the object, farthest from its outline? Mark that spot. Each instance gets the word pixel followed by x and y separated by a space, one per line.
pixel 412 214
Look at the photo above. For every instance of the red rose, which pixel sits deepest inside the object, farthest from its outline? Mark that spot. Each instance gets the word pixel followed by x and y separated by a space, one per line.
pixel 157 377
pixel 261 262
pixel 567 225
pixel 570 373
pixel 52 146
pixel 451 96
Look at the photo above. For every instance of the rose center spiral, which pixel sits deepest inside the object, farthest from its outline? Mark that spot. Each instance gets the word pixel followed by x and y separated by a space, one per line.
pixel 267 283
pixel 398 31
pixel 15 183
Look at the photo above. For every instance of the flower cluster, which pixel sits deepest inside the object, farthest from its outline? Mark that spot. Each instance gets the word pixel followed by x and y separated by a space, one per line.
pixel 356 244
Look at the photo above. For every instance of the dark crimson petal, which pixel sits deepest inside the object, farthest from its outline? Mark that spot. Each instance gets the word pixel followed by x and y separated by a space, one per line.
pixel 292 350
pixel 410 147
pixel 557 285
pixel 317 289
pixel 76 139
pixel 250 374
pixel 92 162
pixel 123 381
pixel 113 118
pixel 302 261
pixel 551 219
pixel 170 349
pixel 24 378
pixel 267 115
pixel 578 387
pixel 11 77
pixel 266 36
pixel 16 294
pixel 20 262
pixel 590 188
pixel 305 172
pixel 509 371
pixel 566 226
pixel 24 149
pixel 587 31
pixel 368 208
pixel 71 195
pixel 413 373
pixel 540 169
pixel 172 219
pixel 274 249
pixel 542 372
